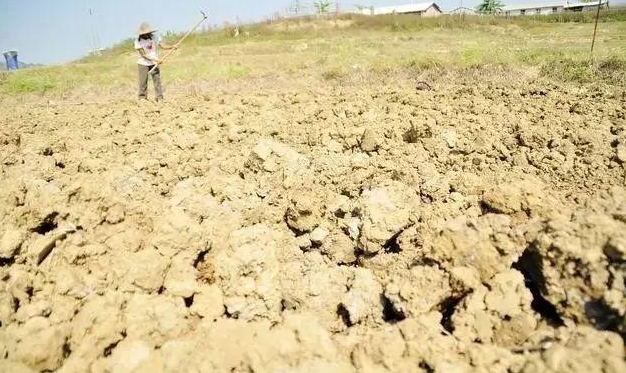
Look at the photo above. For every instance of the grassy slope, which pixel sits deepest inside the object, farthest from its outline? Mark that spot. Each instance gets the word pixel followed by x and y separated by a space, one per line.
pixel 334 48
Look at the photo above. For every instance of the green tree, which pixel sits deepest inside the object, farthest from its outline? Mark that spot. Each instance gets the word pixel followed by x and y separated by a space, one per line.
pixel 323 6
pixel 490 6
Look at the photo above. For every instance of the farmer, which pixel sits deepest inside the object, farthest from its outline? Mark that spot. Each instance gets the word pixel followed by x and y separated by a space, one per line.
pixel 147 44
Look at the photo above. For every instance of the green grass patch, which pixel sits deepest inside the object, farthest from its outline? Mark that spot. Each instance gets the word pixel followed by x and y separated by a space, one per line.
pixel 611 70
pixel 25 82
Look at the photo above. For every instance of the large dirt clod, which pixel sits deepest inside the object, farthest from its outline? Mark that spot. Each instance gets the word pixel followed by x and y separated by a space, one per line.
pixel 385 212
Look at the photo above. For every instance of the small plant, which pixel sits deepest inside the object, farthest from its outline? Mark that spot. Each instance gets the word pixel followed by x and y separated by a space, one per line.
pixel 333 74
pixel 415 133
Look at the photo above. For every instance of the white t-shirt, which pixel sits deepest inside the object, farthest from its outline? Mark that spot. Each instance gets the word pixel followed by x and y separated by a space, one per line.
pixel 150 48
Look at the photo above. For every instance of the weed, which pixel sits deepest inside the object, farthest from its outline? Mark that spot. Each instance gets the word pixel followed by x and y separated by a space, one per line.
pixel 333 74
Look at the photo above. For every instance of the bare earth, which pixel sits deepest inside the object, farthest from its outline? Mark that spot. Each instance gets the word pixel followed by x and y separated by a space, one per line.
pixel 476 227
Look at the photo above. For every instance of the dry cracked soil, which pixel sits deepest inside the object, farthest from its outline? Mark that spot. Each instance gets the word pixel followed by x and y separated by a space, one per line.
pixel 474 227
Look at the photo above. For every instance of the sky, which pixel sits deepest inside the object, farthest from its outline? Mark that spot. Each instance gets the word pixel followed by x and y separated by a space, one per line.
pixel 59 31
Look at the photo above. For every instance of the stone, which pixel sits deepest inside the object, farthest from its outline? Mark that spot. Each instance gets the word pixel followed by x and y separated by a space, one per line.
pixel 385 213
pixel 303 242
pixel 339 248
pixel 181 284
pixel 262 151
pixel 334 146
pixel 449 136
pixel 506 199
pixel 28 311
pixel 354 228
pixel 127 356
pixel 418 293
pixel 621 153
pixel 369 141
pixel 128 239
pixel 362 300
pixel 180 279
pixel 302 215
pixel 115 214
pixel 271 156
pixel 7 308
pixel 339 206
pixel 508 295
pixel 318 235
pixel 68 282
pixel 39 250
pixel 208 302
pixel 148 269
pixel 156 318
pixel 10 243
pixel 360 160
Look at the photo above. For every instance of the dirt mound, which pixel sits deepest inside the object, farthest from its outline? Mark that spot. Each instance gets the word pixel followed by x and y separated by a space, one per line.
pixel 473 227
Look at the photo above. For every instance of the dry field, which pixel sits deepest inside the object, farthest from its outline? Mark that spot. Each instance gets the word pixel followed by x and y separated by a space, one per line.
pixel 322 213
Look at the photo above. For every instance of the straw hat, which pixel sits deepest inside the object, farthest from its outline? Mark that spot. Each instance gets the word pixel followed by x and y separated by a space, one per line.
pixel 145 28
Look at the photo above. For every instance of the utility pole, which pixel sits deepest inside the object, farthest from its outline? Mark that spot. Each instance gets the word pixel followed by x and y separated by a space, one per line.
pixel 296 7
pixel 94 36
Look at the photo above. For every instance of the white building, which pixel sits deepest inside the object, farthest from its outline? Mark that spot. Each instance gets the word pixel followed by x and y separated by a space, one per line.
pixel 580 7
pixel 422 9
pixel 550 7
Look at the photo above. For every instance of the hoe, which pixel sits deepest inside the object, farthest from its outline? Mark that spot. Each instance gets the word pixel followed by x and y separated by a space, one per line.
pixel 204 17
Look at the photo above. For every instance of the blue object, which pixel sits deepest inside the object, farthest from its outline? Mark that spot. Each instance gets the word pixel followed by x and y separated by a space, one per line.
pixel 11 58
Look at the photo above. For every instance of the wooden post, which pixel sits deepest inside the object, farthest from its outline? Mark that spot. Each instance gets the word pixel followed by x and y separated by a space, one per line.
pixel 595 28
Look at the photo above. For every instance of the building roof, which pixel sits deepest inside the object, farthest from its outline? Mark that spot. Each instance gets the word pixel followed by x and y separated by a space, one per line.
pixel 591 3
pixel 463 10
pixel 550 4
pixel 408 8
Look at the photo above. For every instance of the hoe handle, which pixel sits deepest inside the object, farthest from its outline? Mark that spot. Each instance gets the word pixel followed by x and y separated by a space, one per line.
pixel 204 17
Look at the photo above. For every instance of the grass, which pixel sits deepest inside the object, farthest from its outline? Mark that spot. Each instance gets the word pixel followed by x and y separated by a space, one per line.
pixel 334 48
pixel 610 70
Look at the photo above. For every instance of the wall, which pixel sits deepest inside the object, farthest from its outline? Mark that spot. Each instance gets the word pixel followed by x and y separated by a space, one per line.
pixel 533 11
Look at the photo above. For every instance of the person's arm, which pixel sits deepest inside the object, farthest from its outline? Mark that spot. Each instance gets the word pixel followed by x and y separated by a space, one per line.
pixel 167 46
pixel 144 55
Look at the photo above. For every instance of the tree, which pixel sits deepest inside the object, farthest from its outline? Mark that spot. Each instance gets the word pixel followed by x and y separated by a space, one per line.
pixel 322 7
pixel 490 6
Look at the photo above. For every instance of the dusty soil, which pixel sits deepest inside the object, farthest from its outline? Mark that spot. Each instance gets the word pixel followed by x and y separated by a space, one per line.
pixel 472 227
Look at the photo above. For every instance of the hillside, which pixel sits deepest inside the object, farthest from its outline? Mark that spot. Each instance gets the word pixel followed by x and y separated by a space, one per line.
pixel 385 194
pixel 351 46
